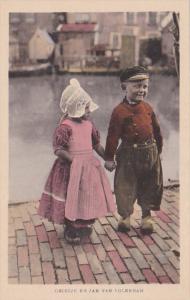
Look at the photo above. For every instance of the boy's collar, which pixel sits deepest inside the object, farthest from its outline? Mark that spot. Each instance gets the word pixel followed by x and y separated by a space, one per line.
pixel 130 102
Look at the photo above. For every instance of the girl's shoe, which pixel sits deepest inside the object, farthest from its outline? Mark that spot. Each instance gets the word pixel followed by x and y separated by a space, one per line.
pixel 124 225
pixel 85 231
pixel 71 235
pixel 147 225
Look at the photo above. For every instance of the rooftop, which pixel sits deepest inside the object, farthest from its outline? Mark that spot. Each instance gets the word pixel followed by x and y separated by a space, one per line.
pixel 84 27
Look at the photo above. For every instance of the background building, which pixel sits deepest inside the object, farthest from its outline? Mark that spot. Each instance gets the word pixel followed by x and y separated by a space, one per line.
pixel 167 40
pixel 95 41
pixel 22 26
pixel 41 46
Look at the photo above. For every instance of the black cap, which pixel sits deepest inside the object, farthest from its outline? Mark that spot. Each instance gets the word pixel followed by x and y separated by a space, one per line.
pixel 134 74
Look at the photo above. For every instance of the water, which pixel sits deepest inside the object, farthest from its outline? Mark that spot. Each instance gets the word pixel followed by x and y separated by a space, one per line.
pixel 34 113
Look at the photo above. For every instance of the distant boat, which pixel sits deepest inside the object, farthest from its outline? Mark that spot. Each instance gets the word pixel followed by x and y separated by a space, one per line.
pixel 28 70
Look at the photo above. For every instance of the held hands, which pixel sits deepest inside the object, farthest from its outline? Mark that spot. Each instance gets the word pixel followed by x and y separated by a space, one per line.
pixel 110 165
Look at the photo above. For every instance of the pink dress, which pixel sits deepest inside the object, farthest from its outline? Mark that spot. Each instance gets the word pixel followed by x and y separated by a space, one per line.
pixel 77 190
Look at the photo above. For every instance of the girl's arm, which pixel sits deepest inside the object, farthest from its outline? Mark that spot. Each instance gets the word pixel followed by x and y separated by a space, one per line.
pixel 61 141
pixel 63 154
pixel 96 142
pixel 99 150
pixel 109 165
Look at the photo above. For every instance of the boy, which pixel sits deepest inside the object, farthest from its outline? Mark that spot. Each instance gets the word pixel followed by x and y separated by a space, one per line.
pixel 138 167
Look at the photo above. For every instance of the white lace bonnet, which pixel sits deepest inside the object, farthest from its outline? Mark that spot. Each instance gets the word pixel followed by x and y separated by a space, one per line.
pixel 74 100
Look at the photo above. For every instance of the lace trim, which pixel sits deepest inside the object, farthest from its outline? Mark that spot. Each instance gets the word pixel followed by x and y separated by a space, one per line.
pixel 54 196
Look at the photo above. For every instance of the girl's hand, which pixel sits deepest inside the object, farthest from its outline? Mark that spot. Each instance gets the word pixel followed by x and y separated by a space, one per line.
pixel 64 155
pixel 64 159
pixel 69 159
pixel 110 165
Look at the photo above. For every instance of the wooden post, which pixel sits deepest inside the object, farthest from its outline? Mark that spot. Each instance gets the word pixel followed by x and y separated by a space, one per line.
pixel 127 56
pixel 176 41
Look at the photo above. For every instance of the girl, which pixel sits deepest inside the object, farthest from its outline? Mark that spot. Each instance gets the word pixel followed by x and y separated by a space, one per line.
pixel 77 190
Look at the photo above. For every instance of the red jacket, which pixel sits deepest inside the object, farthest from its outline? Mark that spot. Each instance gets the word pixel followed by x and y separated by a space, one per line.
pixel 132 124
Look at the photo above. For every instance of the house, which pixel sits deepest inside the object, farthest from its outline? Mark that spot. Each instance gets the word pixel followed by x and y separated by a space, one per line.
pixel 74 41
pixel 142 37
pixel 41 46
pixel 167 39
pixel 13 50
pixel 123 37
pixel 103 39
pixel 22 27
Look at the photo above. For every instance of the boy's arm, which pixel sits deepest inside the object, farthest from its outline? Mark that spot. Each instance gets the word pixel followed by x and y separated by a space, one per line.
pixel 114 134
pixel 157 133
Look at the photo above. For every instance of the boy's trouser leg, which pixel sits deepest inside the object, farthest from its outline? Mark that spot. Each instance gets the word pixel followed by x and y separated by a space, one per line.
pixel 150 188
pixel 125 186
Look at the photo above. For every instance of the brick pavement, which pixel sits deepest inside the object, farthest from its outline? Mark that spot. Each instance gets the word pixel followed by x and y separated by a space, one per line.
pixel 38 254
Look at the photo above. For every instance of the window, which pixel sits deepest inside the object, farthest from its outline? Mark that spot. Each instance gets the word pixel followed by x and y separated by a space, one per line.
pixel 14 18
pixel 115 40
pixel 152 18
pixel 82 18
pixel 78 18
pixel 30 18
pixel 85 18
pixel 61 18
pixel 15 30
pixel 130 18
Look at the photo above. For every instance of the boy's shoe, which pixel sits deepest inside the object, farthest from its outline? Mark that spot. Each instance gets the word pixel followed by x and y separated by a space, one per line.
pixel 124 225
pixel 147 225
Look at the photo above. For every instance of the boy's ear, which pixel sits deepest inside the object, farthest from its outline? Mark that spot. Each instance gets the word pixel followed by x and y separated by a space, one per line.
pixel 123 86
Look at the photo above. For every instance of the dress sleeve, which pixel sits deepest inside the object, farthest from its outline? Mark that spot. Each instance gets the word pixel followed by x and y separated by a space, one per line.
pixel 61 137
pixel 95 135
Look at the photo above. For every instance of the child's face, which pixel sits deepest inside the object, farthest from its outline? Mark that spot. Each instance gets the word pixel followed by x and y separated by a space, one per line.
pixel 137 90
pixel 87 111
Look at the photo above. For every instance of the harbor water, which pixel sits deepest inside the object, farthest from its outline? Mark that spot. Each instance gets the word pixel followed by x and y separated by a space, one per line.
pixel 34 113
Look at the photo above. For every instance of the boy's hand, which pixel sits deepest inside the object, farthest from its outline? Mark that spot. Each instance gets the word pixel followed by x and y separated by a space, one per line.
pixel 110 165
